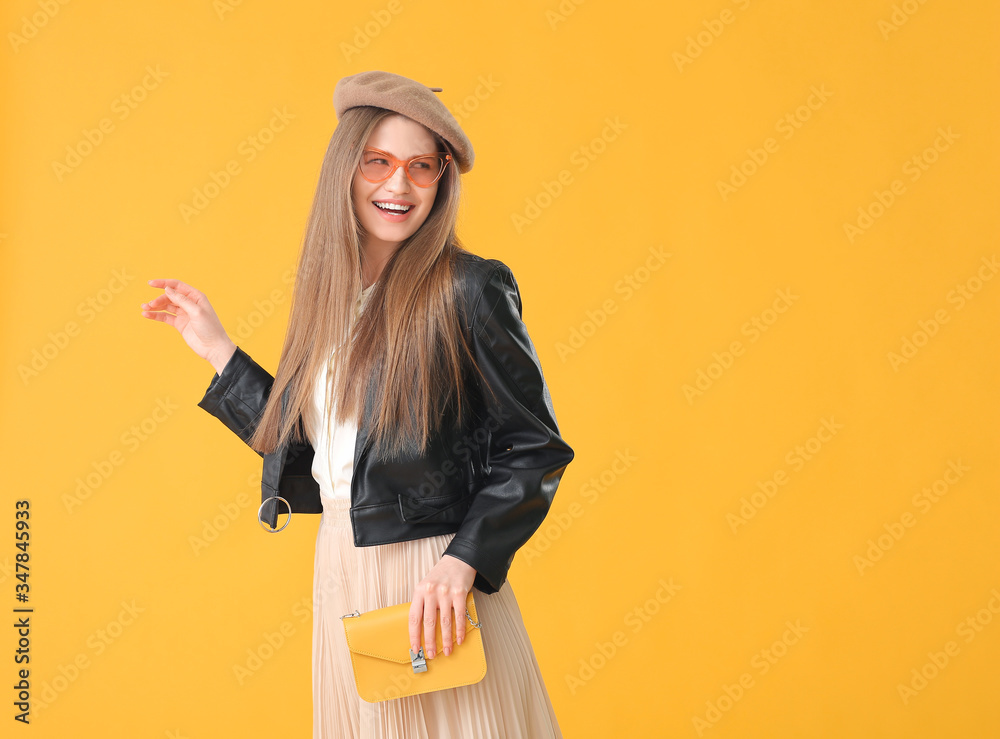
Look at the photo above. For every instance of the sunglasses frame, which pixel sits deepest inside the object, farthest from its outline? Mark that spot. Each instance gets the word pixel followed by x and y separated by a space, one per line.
pixel 405 164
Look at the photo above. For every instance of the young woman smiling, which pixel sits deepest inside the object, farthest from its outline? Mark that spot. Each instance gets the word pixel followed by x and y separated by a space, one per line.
pixel 409 409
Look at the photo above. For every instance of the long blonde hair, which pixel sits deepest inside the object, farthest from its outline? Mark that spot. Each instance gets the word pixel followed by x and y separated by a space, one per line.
pixel 408 341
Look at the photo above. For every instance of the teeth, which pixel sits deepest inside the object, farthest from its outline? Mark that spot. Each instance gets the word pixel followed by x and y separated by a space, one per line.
pixel 393 207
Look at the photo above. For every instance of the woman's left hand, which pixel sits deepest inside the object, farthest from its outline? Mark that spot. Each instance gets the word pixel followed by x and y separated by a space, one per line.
pixel 445 588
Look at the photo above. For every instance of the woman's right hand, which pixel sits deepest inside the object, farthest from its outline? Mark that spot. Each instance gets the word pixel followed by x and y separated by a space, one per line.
pixel 189 311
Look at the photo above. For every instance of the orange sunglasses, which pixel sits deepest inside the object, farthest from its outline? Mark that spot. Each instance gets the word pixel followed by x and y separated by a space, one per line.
pixel 423 171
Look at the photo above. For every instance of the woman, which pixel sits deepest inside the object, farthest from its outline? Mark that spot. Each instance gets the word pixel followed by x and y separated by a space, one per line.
pixel 432 473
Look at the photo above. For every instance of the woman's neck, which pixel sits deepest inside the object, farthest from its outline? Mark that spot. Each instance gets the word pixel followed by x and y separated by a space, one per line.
pixel 375 254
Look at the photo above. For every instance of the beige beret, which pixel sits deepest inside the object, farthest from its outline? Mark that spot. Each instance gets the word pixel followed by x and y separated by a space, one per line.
pixel 403 95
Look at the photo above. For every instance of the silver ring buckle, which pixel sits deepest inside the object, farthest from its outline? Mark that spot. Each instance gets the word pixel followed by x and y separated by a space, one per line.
pixel 260 520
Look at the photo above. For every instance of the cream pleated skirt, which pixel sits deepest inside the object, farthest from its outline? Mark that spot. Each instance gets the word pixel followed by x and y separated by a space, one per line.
pixel 511 702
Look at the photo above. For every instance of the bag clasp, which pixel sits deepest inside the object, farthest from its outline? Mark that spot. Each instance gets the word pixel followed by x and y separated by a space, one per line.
pixel 417 661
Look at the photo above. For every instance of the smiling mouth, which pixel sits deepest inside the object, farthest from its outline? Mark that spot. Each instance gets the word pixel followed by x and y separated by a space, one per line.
pixel 392 207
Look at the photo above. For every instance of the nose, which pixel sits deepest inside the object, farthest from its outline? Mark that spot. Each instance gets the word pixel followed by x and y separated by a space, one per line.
pixel 398 182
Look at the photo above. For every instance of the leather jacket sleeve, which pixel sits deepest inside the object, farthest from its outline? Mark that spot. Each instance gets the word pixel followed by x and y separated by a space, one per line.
pixel 238 396
pixel 526 457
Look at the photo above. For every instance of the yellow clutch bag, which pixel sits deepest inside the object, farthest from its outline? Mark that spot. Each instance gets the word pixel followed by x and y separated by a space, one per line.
pixel 386 668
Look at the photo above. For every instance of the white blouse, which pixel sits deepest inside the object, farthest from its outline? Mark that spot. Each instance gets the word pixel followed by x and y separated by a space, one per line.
pixel 333 463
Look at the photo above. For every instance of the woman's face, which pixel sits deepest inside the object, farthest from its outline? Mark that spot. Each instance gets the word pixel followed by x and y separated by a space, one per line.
pixel 403 138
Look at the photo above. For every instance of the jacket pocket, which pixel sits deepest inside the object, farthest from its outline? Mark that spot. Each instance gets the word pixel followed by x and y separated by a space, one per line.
pixel 436 509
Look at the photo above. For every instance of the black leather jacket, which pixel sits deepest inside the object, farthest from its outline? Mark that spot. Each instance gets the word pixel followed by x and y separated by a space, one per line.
pixel 491 483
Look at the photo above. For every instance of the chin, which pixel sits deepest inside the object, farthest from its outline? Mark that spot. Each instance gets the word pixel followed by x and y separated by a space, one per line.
pixel 395 235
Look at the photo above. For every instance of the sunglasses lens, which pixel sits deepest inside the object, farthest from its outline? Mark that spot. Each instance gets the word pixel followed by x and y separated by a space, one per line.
pixel 425 170
pixel 374 166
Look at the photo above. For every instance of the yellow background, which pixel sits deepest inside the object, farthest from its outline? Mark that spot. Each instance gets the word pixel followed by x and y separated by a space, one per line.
pixel 658 474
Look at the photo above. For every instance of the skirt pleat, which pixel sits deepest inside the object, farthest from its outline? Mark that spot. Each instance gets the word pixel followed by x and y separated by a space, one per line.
pixel 510 702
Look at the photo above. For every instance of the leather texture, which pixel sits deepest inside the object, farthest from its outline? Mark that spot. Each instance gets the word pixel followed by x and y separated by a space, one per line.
pixel 379 642
pixel 491 481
